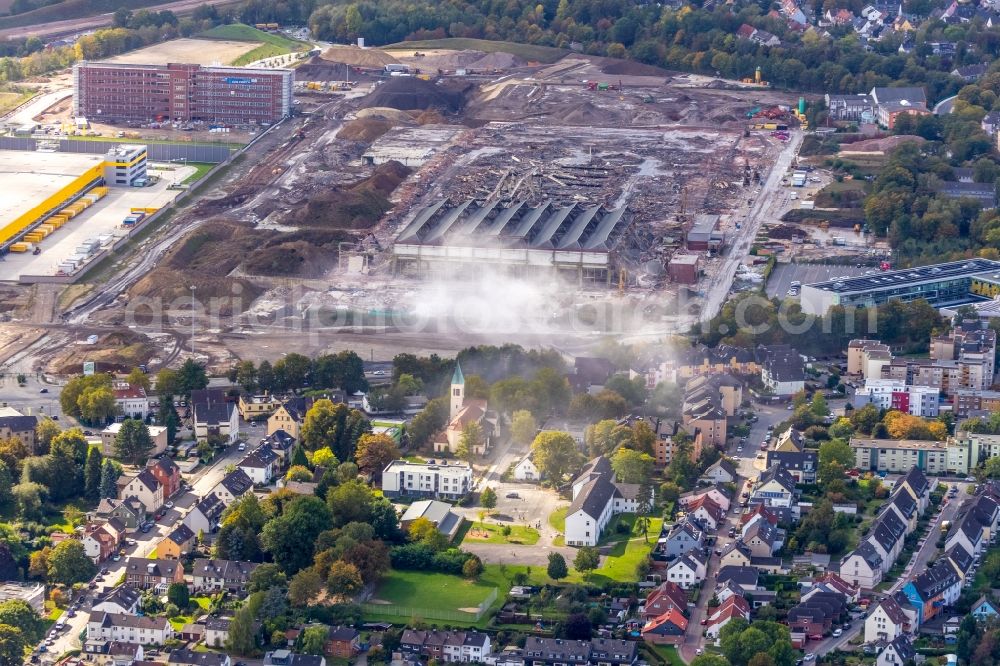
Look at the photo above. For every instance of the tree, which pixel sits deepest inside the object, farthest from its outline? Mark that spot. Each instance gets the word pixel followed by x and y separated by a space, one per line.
pixel 324 458
pixel 835 458
pixel 587 559
pixel 523 427
pixel 472 438
pixel 709 659
pixel 38 563
pixel 97 406
pixel 313 639
pixel 242 638
pixel 92 475
pixel 12 645
pixel 69 564
pixel 578 627
pixel 429 421
pixel 488 498
pixel 138 378
pixel 133 443
pixel 166 416
pixel 178 595
pixel 344 580
pixel 29 498
pixel 865 419
pixel 555 454
pixel 109 479
pixel 473 568
pixel 265 577
pixel 190 377
pixel 557 569
pixel 298 473
pixel 350 502
pixel 17 613
pixel 632 466
pixel 819 409
pixel 290 537
pixel 299 457
pixel 304 587
pixel 44 432
pixel 374 453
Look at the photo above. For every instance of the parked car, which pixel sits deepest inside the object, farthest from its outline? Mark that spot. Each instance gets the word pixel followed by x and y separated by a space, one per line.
pixel 513 496
pixel 838 632
pixel 43 390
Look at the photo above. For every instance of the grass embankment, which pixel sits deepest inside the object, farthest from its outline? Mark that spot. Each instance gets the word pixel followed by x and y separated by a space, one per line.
pixel 546 54
pixel 11 100
pixel 74 9
pixel 271 44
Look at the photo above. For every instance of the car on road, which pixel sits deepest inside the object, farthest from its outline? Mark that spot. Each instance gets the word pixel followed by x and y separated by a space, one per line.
pixel 970 479
pixel 739 448
pixel 242 446
pixel 169 505
pixel 88 433
pixel 513 496
pixel 43 390
pixel 838 632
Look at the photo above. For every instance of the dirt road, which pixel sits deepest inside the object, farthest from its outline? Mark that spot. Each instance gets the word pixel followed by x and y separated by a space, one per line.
pixel 70 26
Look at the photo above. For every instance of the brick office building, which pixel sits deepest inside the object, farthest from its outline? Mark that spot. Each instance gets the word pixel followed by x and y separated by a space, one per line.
pixel 119 92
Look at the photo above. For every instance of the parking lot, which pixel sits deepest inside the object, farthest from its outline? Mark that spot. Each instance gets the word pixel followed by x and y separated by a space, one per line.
pixel 784 274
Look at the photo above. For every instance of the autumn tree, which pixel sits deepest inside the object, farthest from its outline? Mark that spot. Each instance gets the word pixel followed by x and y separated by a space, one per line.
pixel 555 454
pixel 374 453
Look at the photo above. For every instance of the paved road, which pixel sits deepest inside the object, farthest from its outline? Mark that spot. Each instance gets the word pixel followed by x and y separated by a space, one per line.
pixel 26 114
pixel 27 399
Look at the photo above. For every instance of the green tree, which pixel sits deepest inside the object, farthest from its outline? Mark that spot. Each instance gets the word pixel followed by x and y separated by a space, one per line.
pixel 242 638
pixel 109 479
pixel 431 419
pixel 290 537
pixel 631 466
pixel 92 475
pixel 313 639
pixel 471 439
pixel 190 377
pixel 166 416
pixel 17 613
pixel 344 580
pixel 587 559
pixel 835 458
pixel 265 577
pixel 523 427
pixel 12 645
pixel 473 568
pixel 69 564
pixel 44 432
pixel 709 659
pixel 488 498
pixel 374 453
pixel 555 454
pixel 29 498
pixel 133 443
pixel 818 406
pixel 178 595
pixel 557 569
pixel 138 378
pixel 864 419
pixel 304 587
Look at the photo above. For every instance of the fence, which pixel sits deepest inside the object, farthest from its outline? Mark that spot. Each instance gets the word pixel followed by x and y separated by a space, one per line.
pixel 394 610
pixel 156 152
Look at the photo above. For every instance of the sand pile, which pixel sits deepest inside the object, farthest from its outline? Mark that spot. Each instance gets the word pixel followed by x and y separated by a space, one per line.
pixel 497 61
pixel 407 94
pixel 587 114
pixel 364 130
pixel 352 55
pixel 383 112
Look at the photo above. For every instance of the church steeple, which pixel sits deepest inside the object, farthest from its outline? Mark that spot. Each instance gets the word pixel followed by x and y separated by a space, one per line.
pixel 457 390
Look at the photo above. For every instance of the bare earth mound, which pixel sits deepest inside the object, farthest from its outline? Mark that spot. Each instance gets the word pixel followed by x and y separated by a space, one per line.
pixel 364 130
pixel 358 206
pixel 118 351
pixel 352 55
pixel 407 94
pixel 882 145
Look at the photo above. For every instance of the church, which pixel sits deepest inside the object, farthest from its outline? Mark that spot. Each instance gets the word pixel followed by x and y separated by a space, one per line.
pixel 464 411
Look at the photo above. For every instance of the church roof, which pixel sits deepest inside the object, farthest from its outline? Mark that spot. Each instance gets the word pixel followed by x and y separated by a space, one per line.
pixel 458 378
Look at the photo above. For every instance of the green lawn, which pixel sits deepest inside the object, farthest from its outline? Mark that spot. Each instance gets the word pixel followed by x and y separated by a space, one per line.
pixel 436 591
pixel 557 519
pixel 201 168
pixel 519 534
pixel 626 554
pixel 667 654
pixel 203 602
pixel 546 54
pixel 272 44
pixel 179 621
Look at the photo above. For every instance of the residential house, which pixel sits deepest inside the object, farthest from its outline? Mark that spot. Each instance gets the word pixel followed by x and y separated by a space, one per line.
pixel 131 401
pixel 890 103
pixel 746 578
pixel 863 566
pixel 289 417
pixel 260 465
pixel 124 654
pixel 775 487
pixel 167 473
pixel 718 494
pixel 733 607
pixel 15 425
pixel 754 513
pixel 668 628
pixel 217 631
pixel 991 122
pixel 709 401
pixel 662 598
pixel 706 512
pixel 526 470
pixel 905 507
pixel 427 479
pixel 782 369
pixel 930 591
pixel 899 652
pixel 682 537
pixel 282 444
pixel 342 642
pixel 233 486
pixel 216 418
pixel 916 484
pixel 188 657
pixel 763 539
pixel 144 487
pixel 210 575
pixel 801 465
pixel 960 560
pixel 885 539
pixel 257 407
pixel 122 600
pixel 205 516
pixel 817 615
pixel 886 622
pixel 981 192
pixel 985 608
pixel 688 570
pixel 736 554
pixel 438 513
pixel 854 108
pixel 596 499
pixel 139 629
pixel 147 574
pixel 556 651
pixel 721 471
pixel 447 646
pixel 180 541
pixel 289 658
pixel 99 542
pixel 156 433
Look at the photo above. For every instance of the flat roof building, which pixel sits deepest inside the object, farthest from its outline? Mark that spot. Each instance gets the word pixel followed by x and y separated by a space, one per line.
pixel 123 92
pixel 950 283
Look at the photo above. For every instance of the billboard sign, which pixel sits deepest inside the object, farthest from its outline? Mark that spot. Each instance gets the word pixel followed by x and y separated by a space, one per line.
pixel 239 80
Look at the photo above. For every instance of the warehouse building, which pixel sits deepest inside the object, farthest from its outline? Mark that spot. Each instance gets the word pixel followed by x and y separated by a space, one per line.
pixel 521 239
pixel 121 92
pixel 951 283
pixel 42 191
pixel 705 234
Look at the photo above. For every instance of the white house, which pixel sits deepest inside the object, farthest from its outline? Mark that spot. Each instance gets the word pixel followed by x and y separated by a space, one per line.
pixel 428 479
pixel 234 485
pixel 596 499
pixel 156 433
pixel 526 470
pixel 216 631
pixel 896 653
pixel 144 487
pixel 219 418
pixel 721 471
pixel 917 485
pixel 863 566
pixel 716 493
pixel 122 600
pixel 260 465
pixel 886 622
pixel 735 606
pixel 776 487
pixel 781 369
pixel 131 401
pixel 687 570
pixel 205 515
pixel 138 629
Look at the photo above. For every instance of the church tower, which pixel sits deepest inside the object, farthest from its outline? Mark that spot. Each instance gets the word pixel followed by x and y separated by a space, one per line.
pixel 457 390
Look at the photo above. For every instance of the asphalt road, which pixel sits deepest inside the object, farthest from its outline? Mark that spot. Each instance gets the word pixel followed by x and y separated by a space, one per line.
pixel 27 399
pixel 783 275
